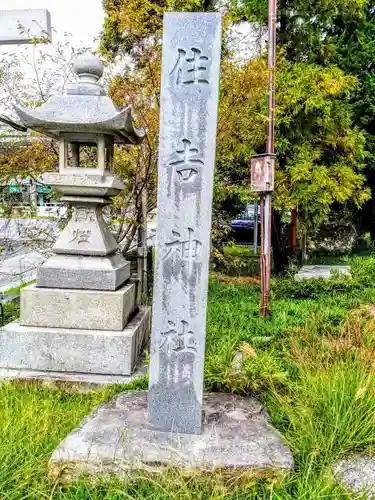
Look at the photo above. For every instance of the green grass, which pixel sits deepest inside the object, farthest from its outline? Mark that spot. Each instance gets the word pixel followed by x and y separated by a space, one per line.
pixel 312 365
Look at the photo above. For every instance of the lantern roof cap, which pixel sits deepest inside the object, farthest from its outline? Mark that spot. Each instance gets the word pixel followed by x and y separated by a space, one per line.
pixel 88 64
pixel 85 108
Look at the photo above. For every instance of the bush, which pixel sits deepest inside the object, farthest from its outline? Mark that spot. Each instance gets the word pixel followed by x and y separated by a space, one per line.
pixel 313 288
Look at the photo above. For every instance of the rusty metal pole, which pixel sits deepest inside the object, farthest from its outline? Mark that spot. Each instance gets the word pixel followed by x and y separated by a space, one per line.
pixel 266 198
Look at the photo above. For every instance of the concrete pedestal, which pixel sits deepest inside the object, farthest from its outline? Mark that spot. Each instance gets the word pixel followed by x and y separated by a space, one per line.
pixel 77 309
pixel 84 272
pixel 320 271
pixel 116 439
pixel 80 351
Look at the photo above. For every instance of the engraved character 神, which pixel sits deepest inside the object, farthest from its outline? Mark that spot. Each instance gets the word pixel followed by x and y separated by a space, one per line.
pixel 191 66
pixel 186 159
pixel 188 249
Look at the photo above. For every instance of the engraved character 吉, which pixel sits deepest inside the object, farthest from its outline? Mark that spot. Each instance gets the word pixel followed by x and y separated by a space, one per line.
pixel 186 159
pixel 191 66
pixel 178 342
pixel 81 236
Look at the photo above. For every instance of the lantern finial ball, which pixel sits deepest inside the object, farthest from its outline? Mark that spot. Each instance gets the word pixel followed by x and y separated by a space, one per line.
pixel 88 64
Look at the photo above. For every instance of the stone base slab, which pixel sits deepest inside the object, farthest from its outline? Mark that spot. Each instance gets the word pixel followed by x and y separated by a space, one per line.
pixel 357 475
pixel 320 271
pixel 77 309
pixel 117 439
pixel 80 381
pixel 75 351
pixel 84 272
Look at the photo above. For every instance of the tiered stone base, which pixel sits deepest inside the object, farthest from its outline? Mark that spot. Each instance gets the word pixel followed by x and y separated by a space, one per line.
pixel 74 350
pixel 77 309
pixel 83 315
pixel 84 272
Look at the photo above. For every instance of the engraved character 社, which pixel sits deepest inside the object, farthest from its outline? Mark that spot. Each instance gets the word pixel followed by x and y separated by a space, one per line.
pixel 186 159
pixel 191 66
pixel 178 341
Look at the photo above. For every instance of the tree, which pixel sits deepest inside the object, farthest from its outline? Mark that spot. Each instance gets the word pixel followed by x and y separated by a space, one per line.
pixel 354 52
pixel 320 152
pixel 312 37
pixel 28 78
pixel 132 33
pixel 306 30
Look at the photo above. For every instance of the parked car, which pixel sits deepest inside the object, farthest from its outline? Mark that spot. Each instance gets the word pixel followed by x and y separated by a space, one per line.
pixel 242 228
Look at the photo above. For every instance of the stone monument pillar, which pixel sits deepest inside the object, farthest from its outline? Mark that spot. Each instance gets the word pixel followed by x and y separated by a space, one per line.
pixel 175 425
pixel 189 104
pixel 82 315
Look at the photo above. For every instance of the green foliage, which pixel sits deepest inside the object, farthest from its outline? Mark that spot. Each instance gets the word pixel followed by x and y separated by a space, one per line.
pixel 255 374
pixel 11 312
pixel 318 39
pixel 131 24
pixel 304 26
pixel 313 288
pixel 17 289
pixel 320 152
pixel 362 275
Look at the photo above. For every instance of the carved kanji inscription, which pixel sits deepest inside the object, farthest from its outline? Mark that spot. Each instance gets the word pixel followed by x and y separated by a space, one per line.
pixel 191 66
pixel 81 236
pixel 177 341
pixel 188 248
pixel 84 214
pixel 188 126
pixel 186 160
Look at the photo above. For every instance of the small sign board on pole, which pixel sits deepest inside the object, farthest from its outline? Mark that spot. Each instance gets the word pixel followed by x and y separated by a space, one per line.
pixel 262 173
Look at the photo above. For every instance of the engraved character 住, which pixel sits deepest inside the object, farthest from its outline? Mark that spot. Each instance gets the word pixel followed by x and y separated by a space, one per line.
pixel 191 66
pixel 186 159
pixel 178 342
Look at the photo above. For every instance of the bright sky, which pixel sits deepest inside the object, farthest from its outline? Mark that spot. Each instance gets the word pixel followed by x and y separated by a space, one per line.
pixel 76 22
pixel 82 18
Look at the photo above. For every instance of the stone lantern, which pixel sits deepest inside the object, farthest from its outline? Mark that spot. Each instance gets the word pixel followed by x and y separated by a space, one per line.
pixel 82 315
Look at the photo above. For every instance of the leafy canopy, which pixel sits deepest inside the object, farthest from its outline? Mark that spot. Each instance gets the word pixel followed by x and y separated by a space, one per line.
pixel 320 149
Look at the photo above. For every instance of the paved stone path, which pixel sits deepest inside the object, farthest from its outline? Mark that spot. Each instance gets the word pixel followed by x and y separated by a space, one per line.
pixel 320 271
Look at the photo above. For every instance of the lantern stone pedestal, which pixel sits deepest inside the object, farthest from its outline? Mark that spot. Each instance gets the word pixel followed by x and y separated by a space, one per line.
pixel 82 316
